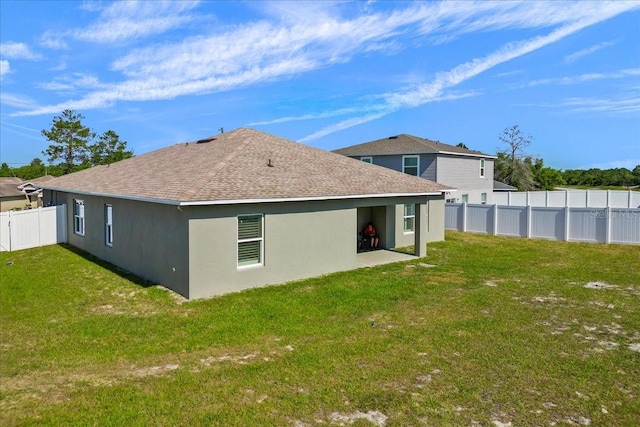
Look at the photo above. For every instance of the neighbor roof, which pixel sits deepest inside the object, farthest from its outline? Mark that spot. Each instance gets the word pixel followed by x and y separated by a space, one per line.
pixel 241 166
pixel 9 187
pixel 406 144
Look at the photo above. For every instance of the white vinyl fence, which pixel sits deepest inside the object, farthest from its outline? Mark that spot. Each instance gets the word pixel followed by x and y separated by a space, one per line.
pixel 571 198
pixel 32 228
pixel 597 225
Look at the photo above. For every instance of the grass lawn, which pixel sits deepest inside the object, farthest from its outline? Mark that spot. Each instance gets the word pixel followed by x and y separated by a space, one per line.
pixel 501 330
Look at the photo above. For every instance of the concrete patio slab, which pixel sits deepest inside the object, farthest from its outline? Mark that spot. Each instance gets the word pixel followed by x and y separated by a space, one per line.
pixel 373 258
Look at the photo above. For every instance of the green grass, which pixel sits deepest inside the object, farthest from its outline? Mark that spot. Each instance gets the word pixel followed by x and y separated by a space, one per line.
pixel 500 330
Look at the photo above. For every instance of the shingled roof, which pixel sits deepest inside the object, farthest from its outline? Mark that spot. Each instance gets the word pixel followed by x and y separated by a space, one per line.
pixel 406 144
pixel 243 165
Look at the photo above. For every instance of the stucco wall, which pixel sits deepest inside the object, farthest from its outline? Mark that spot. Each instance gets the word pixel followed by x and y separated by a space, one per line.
pixel 300 240
pixel 149 239
pixel 13 202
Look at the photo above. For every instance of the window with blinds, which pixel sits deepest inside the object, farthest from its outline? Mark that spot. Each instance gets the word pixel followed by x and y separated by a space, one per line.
pixel 78 217
pixel 108 225
pixel 250 239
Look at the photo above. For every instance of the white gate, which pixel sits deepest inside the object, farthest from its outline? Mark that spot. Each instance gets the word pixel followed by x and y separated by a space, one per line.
pixel 32 228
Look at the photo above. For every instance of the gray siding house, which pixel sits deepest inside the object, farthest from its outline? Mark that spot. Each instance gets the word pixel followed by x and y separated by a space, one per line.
pixel 469 172
pixel 239 210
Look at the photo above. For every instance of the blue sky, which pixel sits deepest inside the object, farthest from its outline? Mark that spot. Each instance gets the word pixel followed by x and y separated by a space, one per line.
pixel 328 74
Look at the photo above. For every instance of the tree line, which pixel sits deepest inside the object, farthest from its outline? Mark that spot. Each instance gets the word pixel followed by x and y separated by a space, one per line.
pixel 514 167
pixel 73 147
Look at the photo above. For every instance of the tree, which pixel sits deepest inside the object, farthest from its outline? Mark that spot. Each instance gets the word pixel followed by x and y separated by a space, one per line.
pixel 70 139
pixel 109 149
pixel 545 177
pixel 509 166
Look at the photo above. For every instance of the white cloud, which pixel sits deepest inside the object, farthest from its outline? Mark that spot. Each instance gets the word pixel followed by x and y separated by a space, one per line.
pixel 262 51
pixel 134 19
pixel 14 50
pixel 582 78
pixel 17 101
pixel 431 91
pixel 585 52
pixel 5 68
pixel 599 105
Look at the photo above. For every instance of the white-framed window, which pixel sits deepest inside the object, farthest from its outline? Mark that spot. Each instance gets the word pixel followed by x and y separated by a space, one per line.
pixel 409 218
pixel 465 198
pixel 482 168
pixel 411 165
pixel 108 225
pixel 250 240
pixel 483 198
pixel 367 159
pixel 78 217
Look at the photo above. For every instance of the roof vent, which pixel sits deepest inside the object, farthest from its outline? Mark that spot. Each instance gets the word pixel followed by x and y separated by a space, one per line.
pixel 204 141
pixel 393 137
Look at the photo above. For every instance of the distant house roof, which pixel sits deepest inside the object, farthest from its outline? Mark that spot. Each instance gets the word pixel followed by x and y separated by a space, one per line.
pixel 406 144
pixel 9 187
pixel 241 166
pixel 501 186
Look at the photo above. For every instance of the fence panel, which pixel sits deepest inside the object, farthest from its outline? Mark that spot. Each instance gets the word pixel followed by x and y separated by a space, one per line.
pixel 588 225
pixel 557 199
pixel 548 223
pixel 512 221
pixel 480 218
pixel 501 198
pixel 599 225
pixel 625 225
pixel 453 216
pixel 32 228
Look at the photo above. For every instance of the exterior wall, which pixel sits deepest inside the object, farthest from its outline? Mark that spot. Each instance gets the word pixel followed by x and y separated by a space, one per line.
pixel 463 173
pixel 13 202
pixel 149 240
pixel 301 240
pixel 432 220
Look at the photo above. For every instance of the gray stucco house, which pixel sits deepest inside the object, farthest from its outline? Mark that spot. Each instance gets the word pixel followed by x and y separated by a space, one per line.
pixel 239 210
pixel 469 172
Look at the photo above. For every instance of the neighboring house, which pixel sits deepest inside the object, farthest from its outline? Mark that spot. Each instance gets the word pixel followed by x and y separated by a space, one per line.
pixel 17 194
pixel 469 172
pixel 239 210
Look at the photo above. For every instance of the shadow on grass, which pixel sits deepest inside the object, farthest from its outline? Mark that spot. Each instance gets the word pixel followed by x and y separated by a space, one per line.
pixel 108 266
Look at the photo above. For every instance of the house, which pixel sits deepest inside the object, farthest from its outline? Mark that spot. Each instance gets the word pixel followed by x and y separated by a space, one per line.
pixel 17 194
pixel 240 209
pixel 469 172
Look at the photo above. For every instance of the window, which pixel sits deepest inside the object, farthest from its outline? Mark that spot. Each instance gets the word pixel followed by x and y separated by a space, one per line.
pixel 410 165
pixel 483 198
pixel 108 225
pixel 465 198
pixel 250 248
pixel 481 168
pixel 78 217
pixel 409 218
pixel 367 159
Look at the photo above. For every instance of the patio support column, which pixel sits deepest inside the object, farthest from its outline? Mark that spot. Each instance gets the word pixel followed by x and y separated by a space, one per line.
pixel 420 233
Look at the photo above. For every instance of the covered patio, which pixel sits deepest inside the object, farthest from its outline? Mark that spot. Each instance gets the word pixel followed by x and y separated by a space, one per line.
pixel 381 257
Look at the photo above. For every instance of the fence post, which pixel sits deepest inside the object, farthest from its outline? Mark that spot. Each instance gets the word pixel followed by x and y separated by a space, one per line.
pixel 607 222
pixel 586 200
pixel 629 199
pixel 509 198
pixel 566 197
pixel 464 216
pixel 528 219
pixel 546 198
pixel 567 212
pixel 495 219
